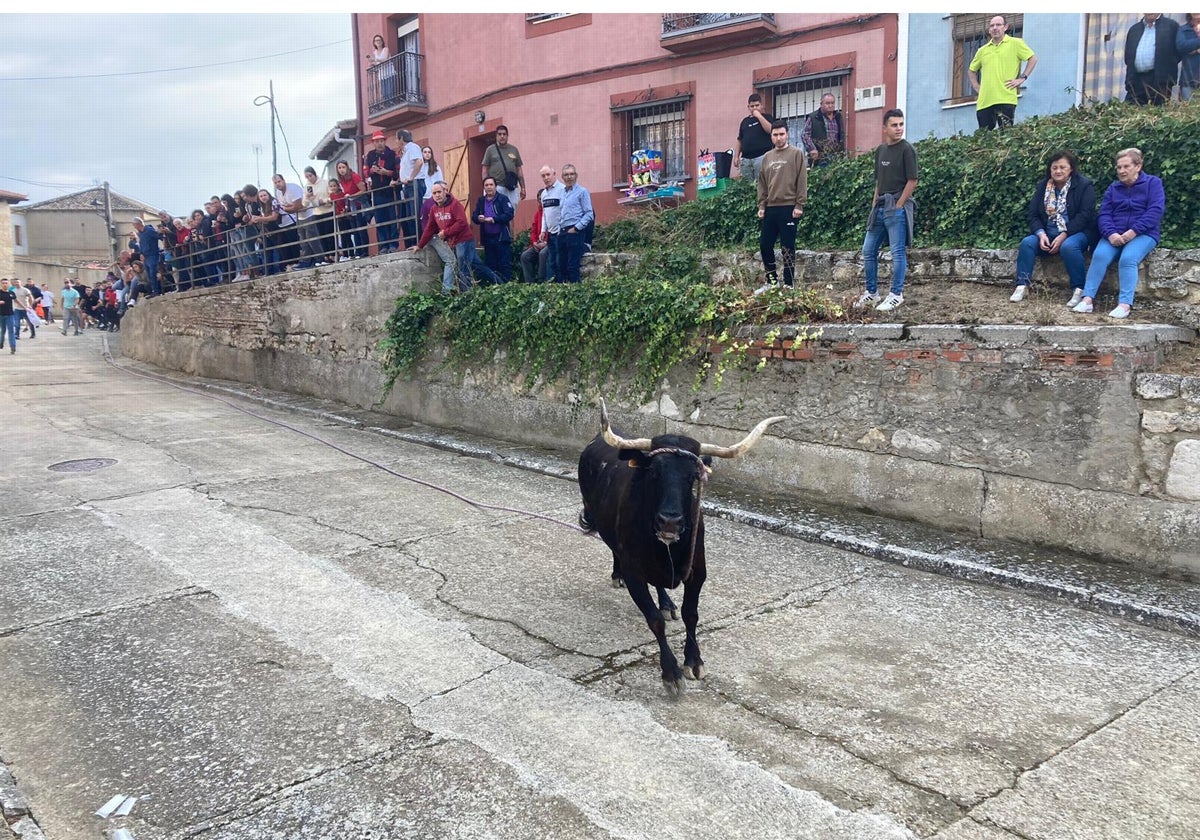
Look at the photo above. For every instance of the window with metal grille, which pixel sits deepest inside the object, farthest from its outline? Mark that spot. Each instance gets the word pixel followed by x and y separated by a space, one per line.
pixel 663 127
pixel 794 101
pixel 542 17
pixel 969 33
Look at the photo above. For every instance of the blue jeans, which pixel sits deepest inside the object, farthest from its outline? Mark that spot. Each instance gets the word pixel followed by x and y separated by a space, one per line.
pixel 151 262
pixel 10 325
pixel 445 252
pixel 552 258
pixel 1072 249
pixel 385 217
pixel 1129 256
pixel 468 261
pixel 895 229
pixel 570 256
pixel 406 212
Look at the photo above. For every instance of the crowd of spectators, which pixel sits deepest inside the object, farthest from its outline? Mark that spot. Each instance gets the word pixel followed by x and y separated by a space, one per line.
pixel 259 232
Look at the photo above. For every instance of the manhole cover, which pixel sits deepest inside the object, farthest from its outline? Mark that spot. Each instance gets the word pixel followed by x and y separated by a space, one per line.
pixel 82 465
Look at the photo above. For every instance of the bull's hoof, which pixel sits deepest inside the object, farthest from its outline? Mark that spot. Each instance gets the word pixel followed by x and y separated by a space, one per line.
pixel 618 583
pixel 694 672
pixel 674 687
pixel 585 522
pixel 669 614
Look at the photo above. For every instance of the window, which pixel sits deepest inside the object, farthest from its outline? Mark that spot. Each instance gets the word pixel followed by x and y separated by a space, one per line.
pixel 17 237
pixel 662 126
pixel 794 101
pixel 542 17
pixel 408 40
pixel 969 33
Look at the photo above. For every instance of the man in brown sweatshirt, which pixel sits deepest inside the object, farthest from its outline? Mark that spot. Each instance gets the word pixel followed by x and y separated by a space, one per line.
pixel 782 191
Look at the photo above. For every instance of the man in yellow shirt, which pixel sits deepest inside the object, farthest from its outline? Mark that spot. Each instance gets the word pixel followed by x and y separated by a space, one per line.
pixel 996 74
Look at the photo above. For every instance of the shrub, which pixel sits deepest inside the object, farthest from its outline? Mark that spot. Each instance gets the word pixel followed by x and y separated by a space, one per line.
pixel 623 332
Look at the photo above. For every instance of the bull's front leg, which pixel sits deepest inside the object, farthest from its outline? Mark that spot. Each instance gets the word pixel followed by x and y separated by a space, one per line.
pixel 671 675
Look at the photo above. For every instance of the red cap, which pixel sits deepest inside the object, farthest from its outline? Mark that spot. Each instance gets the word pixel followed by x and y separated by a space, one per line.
pixel 378 135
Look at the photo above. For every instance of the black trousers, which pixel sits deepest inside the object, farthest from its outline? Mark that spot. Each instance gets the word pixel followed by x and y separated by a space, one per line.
pixel 1144 89
pixel 994 116
pixel 777 225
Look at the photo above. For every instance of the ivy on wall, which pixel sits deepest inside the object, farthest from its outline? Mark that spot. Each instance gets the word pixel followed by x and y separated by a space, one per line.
pixel 623 331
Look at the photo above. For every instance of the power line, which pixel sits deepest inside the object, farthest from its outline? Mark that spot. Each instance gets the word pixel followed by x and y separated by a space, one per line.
pixel 169 69
pixel 49 184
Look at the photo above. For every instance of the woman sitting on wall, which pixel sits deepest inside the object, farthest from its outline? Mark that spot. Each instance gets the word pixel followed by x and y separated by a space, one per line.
pixel 1062 222
pixel 1130 215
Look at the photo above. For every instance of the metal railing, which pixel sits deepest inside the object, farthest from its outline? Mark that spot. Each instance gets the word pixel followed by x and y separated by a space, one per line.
pixel 246 252
pixel 674 24
pixel 398 81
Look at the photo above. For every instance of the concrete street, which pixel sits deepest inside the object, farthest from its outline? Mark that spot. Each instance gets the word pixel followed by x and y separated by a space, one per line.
pixel 261 636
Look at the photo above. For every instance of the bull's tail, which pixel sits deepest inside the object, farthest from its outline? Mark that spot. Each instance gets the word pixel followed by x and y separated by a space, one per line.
pixel 585 521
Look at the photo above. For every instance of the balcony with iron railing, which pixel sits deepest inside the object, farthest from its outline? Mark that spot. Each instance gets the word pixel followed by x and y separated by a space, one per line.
pixel 692 31
pixel 397 87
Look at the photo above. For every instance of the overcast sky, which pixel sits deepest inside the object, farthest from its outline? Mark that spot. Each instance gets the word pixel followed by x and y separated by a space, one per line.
pixel 170 139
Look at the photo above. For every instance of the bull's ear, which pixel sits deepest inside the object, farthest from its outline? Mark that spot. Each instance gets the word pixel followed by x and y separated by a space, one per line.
pixel 707 460
pixel 636 458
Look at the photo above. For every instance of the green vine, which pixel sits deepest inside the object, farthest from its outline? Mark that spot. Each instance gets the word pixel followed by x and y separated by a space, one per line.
pixel 623 331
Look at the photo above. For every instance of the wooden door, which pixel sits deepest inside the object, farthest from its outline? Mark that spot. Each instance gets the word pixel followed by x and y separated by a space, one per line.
pixel 455 165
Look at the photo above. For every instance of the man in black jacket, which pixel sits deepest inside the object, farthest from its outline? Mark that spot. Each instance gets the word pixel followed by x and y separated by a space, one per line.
pixel 1151 62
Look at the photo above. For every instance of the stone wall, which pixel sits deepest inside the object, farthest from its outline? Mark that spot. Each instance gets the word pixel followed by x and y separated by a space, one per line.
pixel 1172 277
pixel 1060 436
pixel 312 332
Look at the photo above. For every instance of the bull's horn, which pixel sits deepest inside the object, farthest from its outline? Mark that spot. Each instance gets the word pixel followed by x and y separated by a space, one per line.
pixel 619 442
pixel 739 448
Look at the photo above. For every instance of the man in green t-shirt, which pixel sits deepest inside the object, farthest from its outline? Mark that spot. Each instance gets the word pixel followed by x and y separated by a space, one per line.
pixel 996 75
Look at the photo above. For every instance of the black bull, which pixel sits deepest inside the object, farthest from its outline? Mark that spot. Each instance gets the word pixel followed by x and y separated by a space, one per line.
pixel 643 497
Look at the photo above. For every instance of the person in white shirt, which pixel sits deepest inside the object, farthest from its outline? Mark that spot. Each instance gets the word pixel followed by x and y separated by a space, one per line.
pixel 407 178
pixel 431 173
pixel 48 303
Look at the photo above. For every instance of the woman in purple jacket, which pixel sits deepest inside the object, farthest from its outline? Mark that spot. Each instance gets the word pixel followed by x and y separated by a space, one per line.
pixel 1130 215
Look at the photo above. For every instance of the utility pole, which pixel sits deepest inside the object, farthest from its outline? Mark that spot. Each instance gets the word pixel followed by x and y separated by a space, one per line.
pixel 264 100
pixel 257 147
pixel 108 224
pixel 274 156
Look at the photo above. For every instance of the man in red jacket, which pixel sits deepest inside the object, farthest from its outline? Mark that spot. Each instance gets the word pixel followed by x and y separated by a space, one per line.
pixel 448 228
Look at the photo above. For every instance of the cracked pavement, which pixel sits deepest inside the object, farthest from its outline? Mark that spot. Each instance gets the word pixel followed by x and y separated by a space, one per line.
pixel 261 637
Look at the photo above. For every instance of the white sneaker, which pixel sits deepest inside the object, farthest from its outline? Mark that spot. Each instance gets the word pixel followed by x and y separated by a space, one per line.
pixel 240 277
pixel 343 259
pixel 1084 307
pixel 866 299
pixel 1122 311
pixel 890 302
pixel 1076 296
pixel 1018 294
pixel 765 287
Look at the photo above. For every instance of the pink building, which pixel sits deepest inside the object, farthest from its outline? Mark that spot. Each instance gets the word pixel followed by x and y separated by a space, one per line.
pixel 590 88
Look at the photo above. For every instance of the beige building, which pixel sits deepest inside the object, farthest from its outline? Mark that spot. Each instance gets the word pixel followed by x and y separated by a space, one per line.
pixel 68 235
pixel 10 234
